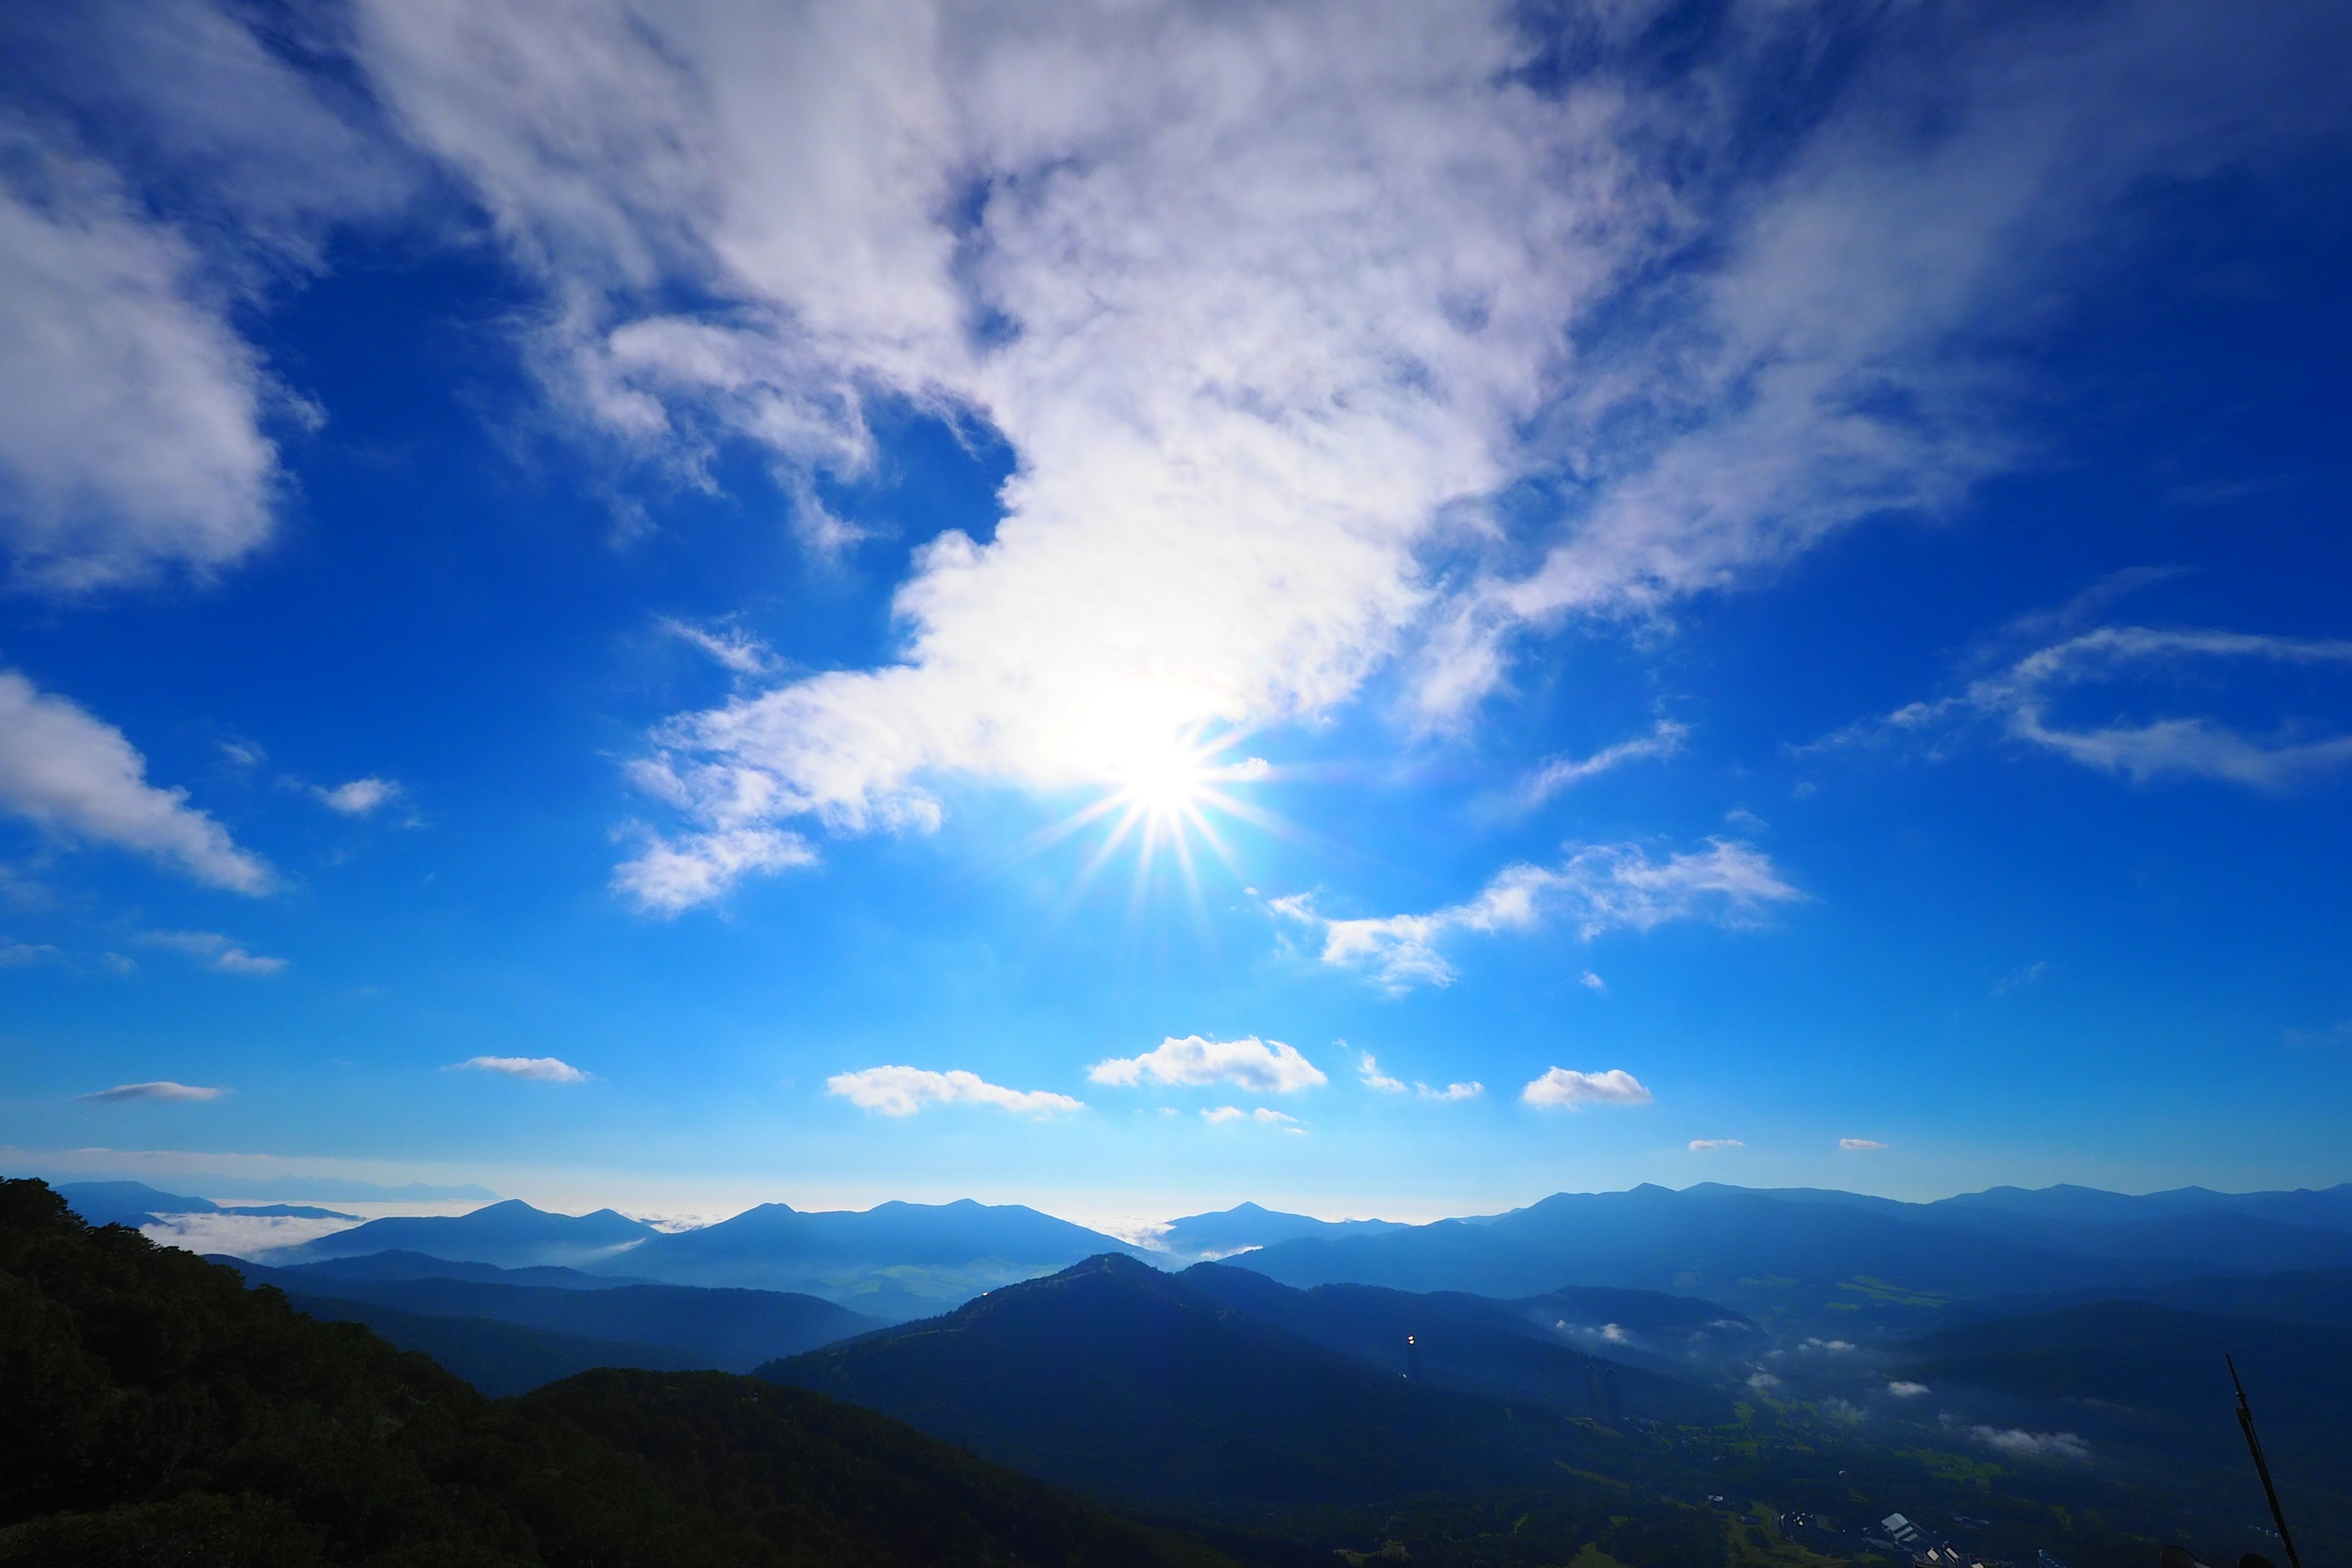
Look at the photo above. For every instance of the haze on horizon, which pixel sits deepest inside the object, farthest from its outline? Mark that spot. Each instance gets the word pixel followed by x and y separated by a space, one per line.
pixel 1377 608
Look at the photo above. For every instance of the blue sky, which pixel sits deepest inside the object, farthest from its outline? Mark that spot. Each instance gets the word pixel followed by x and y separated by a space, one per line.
pixel 1763 583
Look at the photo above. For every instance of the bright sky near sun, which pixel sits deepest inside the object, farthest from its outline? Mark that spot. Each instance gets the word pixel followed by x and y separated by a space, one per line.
pixel 1378 607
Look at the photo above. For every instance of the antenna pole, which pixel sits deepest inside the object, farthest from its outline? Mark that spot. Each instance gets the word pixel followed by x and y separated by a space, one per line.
pixel 2262 1467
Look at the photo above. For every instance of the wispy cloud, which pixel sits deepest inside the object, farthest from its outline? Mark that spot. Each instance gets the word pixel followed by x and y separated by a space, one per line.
pixel 732 648
pixel 1558 773
pixel 1562 1088
pixel 1592 982
pixel 1597 889
pixel 1220 1114
pixel 216 951
pixel 162 1088
pixel 672 875
pixel 79 778
pixel 2020 702
pixel 14 954
pixel 1858 1145
pixel 1370 1070
pixel 539 1069
pixel 1699 1144
pixel 1902 1390
pixel 904 1090
pixel 2018 979
pixel 2341 1034
pixel 360 797
pixel 1269 1067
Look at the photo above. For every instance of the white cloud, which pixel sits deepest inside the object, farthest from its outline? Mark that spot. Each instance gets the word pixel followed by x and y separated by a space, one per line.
pixel 1268 302
pixel 731 647
pixel 1701 1143
pixel 669 875
pixel 1274 1118
pixel 162 1088
pixel 2021 700
pixel 14 954
pixel 1559 773
pixel 540 1070
pixel 219 952
pixel 1852 1144
pixel 1844 1410
pixel 1597 889
pixel 78 777
pixel 1452 1091
pixel 1269 1067
pixel 130 411
pixel 360 797
pixel 1592 982
pixel 1561 1088
pixel 1370 1070
pixel 2021 1445
pixel 1908 1390
pixel 1762 1380
pixel 1222 1113
pixel 904 1090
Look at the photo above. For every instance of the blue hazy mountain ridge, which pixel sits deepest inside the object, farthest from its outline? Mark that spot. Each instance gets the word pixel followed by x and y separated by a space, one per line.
pixel 2325 1208
pixel 1793 1252
pixel 896 1260
pixel 511 1234
pixel 135 1203
pixel 497 1358
pixel 1248 1225
pixel 1140 1385
pixel 2142 1379
pixel 1482 1346
pixel 713 1330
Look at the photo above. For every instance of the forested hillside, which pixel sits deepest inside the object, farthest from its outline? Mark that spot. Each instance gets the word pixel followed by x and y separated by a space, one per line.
pixel 157 1411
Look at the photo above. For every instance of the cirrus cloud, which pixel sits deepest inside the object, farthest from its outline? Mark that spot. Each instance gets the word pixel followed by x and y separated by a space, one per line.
pixel 1597 888
pixel 1859 1145
pixel 904 1090
pixel 1269 1067
pixel 162 1088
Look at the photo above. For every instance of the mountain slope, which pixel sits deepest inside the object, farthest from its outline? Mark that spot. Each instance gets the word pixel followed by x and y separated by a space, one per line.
pixel 719 1329
pixel 493 1357
pixel 1114 1377
pixel 160 1412
pixel 1465 1342
pixel 2137 1375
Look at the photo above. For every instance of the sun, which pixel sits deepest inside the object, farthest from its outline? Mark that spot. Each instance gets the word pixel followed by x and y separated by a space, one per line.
pixel 1165 779
pixel 1164 794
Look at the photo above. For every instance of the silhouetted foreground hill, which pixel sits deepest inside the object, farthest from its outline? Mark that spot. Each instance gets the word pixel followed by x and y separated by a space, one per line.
pixel 1113 1376
pixel 687 1327
pixel 159 1411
